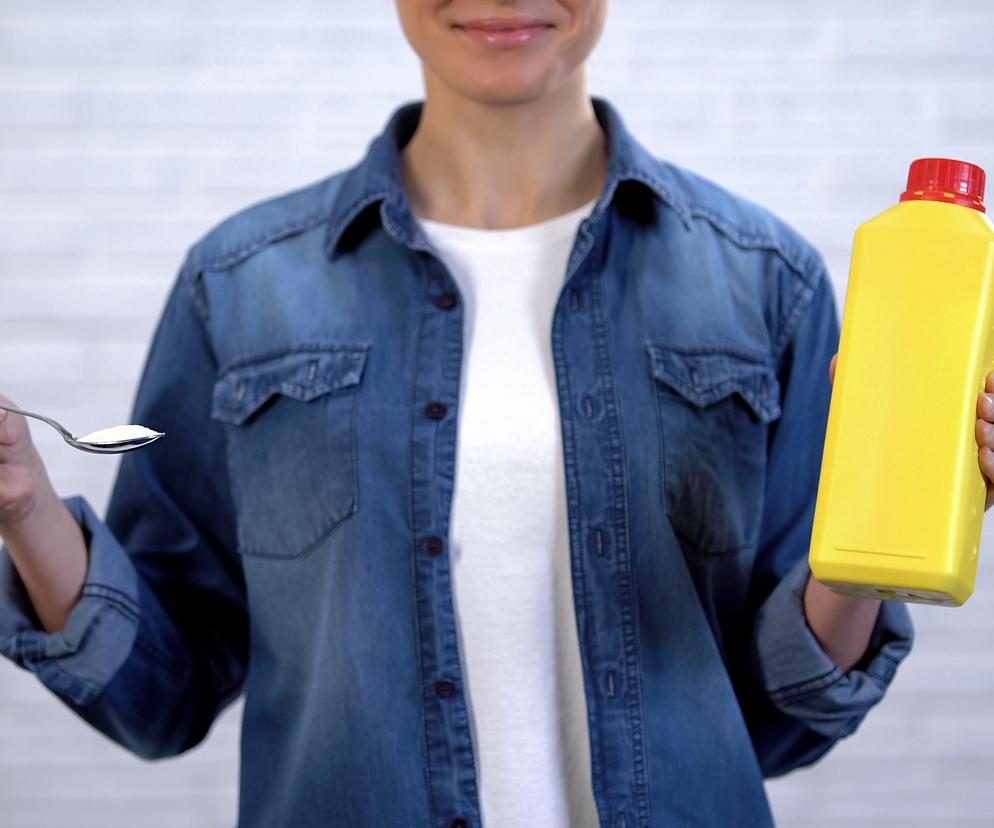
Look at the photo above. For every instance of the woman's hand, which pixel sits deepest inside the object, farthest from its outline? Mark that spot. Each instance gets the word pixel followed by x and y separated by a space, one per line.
pixel 984 431
pixel 22 473
pixel 985 436
pixel 44 542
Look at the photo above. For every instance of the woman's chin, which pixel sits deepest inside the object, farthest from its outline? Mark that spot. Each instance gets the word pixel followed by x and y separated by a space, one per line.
pixel 504 90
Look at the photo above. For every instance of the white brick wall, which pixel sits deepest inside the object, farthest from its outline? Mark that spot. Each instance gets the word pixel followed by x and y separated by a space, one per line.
pixel 127 128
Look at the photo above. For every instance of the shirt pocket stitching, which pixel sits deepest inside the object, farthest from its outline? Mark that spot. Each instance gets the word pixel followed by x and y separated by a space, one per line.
pixel 705 377
pixel 303 373
pixel 312 374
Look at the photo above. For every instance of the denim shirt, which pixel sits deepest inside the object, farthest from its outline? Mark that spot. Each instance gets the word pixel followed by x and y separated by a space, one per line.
pixel 287 538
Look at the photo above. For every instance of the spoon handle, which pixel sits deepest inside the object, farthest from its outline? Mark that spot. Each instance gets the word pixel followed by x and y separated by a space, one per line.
pixel 65 434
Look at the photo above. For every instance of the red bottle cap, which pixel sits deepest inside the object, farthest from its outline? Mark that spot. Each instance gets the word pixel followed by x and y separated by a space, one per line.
pixel 943 179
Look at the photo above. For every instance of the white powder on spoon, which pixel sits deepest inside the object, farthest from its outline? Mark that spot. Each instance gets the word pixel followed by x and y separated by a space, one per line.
pixel 118 434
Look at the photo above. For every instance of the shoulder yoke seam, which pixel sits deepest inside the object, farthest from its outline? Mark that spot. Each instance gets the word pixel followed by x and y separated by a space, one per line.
pixel 236 255
pixel 751 240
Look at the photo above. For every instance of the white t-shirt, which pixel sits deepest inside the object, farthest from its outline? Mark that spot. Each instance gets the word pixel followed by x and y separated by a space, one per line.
pixel 508 541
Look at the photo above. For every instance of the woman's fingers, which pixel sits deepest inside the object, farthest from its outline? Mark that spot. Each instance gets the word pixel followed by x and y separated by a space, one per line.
pixel 984 433
pixel 986 458
pixel 21 468
pixel 8 436
pixel 985 414
pixel 985 406
pixel 8 432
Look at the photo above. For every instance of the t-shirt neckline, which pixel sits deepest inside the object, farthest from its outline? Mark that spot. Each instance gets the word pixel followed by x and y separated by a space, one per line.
pixel 540 232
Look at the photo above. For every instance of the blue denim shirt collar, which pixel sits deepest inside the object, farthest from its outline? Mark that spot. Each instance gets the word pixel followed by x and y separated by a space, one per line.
pixel 377 177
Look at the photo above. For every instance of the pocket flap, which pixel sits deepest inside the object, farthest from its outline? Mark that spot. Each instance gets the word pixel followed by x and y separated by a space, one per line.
pixel 705 376
pixel 303 374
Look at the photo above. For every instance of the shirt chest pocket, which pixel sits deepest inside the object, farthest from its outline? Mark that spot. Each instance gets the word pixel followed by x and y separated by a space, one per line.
pixel 714 409
pixel 291 421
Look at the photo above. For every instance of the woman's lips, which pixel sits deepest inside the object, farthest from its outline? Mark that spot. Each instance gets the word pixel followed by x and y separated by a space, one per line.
pixel 504 34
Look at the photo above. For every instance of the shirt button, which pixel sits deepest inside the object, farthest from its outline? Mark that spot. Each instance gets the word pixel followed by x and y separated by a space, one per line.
pixel 445 301
pixel 434 545
pixel 445 689
pixel 435 410
pixel 458 823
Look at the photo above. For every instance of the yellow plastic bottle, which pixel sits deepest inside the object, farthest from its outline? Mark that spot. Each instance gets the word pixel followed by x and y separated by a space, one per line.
pixel 901 495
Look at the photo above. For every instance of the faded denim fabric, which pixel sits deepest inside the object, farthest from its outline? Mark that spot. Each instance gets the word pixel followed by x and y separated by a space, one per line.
pixel 287 538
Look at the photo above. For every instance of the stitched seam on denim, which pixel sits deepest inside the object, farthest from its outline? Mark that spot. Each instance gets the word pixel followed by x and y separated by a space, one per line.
pixel 808 688
pixel 302 393
pixel 316 540
pixel 759 407
pixel 91 687
pixel 451 337
pixel 749 240
pixel 108 592
pixel 194 288
pixel 573 509
pixel 884 672
pixel 27 648
pixel 803 694
pixel 309 546
pixel 354 447
pixel 236 255
pixel 819 677
pixel 661 431
pixel 236 412
pixel 197 262
pixel 53 661
pixel 123 607
pixel 425 756
pixel 791 319
pixel 753 357
pixel 629 614
pixel 324 531
pixel 357 349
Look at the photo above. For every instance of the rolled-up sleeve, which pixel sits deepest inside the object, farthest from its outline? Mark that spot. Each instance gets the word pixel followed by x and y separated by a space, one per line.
pixel 809 702
pixel 803 681
pixel 157 644
pixel 80 659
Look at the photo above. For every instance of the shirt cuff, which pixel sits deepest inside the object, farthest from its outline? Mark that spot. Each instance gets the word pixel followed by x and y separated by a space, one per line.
pixel 799 677
pixel 78 661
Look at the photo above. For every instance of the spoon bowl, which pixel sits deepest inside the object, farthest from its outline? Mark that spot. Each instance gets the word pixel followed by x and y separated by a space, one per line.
pixel 114 440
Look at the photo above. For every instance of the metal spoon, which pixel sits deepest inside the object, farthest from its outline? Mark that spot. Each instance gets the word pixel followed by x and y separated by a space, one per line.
pixel 98 442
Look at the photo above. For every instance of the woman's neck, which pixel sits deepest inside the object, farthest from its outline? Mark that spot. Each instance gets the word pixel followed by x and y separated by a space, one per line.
pixel 498 166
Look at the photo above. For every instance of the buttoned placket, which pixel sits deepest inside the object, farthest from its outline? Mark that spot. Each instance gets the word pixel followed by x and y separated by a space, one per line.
pixel 596 505
pixel 600 557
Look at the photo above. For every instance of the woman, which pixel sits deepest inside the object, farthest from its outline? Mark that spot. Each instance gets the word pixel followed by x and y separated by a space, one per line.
pixel 588 602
